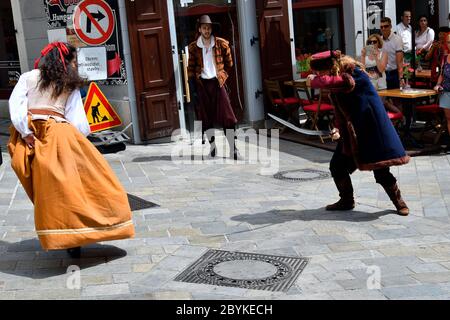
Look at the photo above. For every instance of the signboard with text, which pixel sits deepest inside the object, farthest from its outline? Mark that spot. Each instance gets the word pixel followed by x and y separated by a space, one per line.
pixel 92 63
pixel 375 11
pixel 86 23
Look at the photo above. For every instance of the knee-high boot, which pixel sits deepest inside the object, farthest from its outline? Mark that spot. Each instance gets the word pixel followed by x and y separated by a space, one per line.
pixel 394 194
pixel 347 201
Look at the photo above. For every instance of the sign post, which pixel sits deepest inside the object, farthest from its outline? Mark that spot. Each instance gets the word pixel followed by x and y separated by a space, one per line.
pixel 89 23
pixel 99 112
pixel 93 22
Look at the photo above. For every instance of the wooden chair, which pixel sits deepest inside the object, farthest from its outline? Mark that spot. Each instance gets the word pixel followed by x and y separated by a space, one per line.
pixel 281 103
pixel 320 110
pixel 434 119
pixel 396 118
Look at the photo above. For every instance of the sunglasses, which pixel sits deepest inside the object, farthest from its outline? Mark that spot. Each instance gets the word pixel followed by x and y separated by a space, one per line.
pixel 385 26
pixel 372 41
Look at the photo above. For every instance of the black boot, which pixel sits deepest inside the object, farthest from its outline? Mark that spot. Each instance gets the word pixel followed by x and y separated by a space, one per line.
pixel 212 148
pixel 347 201
pixel 234 152
pixel 74 253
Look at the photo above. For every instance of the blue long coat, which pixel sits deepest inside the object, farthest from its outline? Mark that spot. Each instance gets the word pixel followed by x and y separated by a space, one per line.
pixel 367 132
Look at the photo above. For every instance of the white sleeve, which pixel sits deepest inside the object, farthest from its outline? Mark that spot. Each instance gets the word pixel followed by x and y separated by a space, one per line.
pixel 430 39
pixel 18 106
pixel 75 113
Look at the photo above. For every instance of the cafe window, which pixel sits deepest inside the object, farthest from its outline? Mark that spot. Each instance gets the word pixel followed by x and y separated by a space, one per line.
pixel 9 56
pixel 317 25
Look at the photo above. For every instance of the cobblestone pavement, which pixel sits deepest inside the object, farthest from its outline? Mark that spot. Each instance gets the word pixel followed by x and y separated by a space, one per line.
pixel 235 207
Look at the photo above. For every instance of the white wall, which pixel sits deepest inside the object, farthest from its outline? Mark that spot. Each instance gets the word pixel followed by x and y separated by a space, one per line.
pixel 251 65
pixel 352 24
pixel 390 11
pixel 444 9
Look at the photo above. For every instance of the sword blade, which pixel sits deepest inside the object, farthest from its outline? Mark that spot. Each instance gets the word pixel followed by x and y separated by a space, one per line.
pixel 301 130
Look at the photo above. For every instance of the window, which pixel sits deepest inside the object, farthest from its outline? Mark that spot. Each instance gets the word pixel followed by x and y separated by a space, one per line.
pixel 9 56
pixel 317 24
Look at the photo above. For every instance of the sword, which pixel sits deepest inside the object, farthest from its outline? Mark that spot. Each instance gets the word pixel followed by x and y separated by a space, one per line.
pixel 301 130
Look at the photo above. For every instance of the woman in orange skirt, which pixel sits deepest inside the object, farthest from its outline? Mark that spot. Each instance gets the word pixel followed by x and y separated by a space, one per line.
pixel 77 198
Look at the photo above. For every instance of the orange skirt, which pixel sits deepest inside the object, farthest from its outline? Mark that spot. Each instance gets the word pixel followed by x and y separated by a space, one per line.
pixel 77 197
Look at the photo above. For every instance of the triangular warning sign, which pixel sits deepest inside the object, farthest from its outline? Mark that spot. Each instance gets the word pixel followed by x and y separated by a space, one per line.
pixel 99 112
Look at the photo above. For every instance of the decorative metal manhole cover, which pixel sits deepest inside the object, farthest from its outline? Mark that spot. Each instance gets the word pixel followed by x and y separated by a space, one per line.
pixel 302 175
pixel 244 270
pixel 137 203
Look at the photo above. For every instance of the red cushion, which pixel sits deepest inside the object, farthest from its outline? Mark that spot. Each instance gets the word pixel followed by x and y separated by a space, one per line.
pixel 395 116
pixel 315 106
pixel 421 84
pixel 432 108
pixel 287 101
pixel 305 102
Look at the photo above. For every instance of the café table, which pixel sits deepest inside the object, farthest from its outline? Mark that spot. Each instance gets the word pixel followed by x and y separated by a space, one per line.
pixel 409 99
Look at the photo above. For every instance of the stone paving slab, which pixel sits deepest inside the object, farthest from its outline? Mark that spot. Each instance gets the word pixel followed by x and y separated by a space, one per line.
pixel 233 207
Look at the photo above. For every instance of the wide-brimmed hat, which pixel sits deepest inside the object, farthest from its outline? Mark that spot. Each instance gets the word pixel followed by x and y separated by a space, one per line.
pixel 205 19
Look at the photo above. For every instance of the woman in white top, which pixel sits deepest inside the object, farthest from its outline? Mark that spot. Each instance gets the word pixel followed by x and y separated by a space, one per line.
pixel 375 61
pixel 424 36
pixel 77 197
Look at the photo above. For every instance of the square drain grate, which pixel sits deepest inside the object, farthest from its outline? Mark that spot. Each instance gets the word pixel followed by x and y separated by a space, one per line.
pixel 137 203
pixel 244 270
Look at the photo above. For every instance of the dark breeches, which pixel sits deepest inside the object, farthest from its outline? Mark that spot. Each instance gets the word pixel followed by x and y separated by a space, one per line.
pixel 342 166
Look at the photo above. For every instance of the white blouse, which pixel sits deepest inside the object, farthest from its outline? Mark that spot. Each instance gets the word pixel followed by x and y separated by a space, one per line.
pixel 425 40
pixel 18 109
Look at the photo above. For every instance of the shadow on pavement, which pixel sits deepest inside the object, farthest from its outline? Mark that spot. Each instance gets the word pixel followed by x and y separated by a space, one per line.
pixel 27 259
pixel 282 216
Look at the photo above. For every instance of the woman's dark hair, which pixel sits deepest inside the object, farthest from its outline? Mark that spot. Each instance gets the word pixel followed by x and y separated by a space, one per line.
pixel 57 71
pixel 420 18
pixel 443 29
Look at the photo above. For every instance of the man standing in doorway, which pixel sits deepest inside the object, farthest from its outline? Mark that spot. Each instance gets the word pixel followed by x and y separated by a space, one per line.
pixel 404 30
pixel 209 60
pixel 393 46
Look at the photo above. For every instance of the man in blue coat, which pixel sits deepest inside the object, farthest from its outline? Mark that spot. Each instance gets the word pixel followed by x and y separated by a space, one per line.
pixel 366 137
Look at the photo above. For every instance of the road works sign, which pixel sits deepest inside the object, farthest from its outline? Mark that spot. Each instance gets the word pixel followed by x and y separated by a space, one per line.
pixel 93 22
pixel 99 112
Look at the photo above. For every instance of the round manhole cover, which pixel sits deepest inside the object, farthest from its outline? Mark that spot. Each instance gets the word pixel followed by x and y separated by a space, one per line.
pixel 302 175
pixel 245 269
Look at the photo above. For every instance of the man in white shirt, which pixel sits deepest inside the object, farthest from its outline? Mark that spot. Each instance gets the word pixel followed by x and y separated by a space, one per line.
pixel 393 46
pixel 404 30
pixel 210 62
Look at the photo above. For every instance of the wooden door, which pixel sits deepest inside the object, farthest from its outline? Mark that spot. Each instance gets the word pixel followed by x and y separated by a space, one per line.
pixel 275 40
pixel 153 69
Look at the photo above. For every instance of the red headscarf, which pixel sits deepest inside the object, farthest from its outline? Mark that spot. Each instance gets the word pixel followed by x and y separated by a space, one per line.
pixel 62 49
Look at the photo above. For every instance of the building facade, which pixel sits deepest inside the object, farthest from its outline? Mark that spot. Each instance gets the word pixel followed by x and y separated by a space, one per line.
pixel 146 47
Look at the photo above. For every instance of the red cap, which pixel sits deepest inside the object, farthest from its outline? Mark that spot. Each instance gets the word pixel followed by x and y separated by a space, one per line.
pixel 324 55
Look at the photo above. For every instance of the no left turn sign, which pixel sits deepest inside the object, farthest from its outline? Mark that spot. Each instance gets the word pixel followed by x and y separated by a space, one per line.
pixel 93 21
